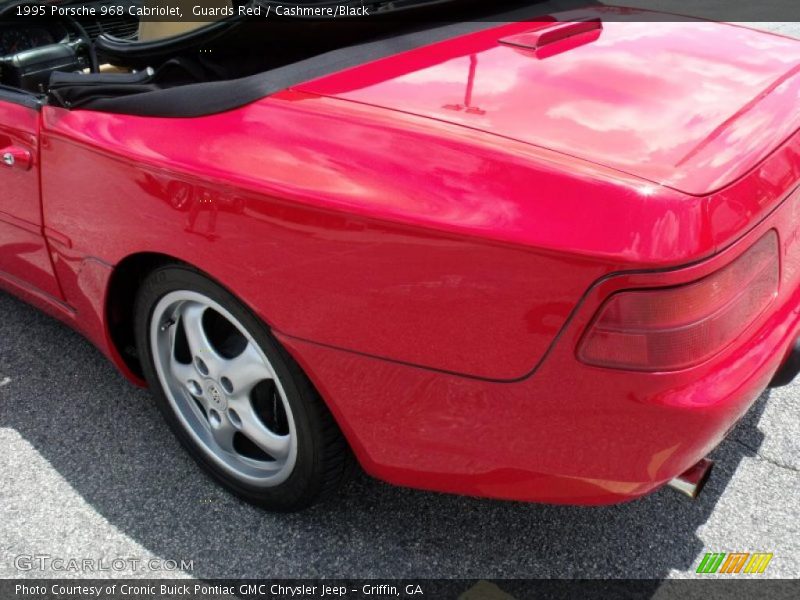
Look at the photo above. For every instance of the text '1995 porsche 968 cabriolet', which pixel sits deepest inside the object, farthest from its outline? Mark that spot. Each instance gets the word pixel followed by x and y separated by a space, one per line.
pixel 534 255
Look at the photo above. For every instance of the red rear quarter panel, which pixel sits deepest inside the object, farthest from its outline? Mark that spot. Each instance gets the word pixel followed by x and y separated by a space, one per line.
pixel 357 228
pixel 569 433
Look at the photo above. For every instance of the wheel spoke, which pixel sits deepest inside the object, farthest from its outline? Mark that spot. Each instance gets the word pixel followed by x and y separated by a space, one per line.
pixel 187 377
pixel 244 371
pixel 223 435
pixel 277 446
pixel 199 344
pixel 182 372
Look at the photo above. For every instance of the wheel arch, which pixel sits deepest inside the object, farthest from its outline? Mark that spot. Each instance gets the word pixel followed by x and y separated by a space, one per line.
pixel 122 290
pixel 123 287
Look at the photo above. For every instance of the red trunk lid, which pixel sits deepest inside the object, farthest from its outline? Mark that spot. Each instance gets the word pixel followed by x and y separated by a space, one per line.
pixel 692 105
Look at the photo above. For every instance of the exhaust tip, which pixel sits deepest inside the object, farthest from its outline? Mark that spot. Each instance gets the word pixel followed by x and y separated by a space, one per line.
pixel 692 481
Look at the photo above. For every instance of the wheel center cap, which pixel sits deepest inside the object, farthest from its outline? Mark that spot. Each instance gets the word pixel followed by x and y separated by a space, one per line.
pixel 217 397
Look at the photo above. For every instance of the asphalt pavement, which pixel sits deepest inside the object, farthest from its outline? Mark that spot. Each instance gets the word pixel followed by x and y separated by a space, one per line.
pixel 89 470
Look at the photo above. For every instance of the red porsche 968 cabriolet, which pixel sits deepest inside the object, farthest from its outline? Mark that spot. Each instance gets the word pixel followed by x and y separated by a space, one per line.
pixel 549 258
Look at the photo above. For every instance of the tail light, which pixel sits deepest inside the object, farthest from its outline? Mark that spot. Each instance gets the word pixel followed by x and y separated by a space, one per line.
pixel 668 329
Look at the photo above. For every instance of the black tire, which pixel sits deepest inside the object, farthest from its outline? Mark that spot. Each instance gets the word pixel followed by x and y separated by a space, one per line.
pixel 323 458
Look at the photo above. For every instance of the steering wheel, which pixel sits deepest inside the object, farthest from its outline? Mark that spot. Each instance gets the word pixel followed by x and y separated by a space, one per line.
pixel 83 39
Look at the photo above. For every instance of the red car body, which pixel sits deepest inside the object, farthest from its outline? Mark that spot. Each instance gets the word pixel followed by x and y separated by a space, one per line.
pixel 432 235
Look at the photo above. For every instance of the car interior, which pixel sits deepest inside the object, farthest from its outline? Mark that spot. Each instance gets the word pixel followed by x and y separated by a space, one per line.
pixel 165 53
pixel 100 63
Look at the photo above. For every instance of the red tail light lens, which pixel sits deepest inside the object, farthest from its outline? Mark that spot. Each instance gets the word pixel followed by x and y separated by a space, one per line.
pixel 674 328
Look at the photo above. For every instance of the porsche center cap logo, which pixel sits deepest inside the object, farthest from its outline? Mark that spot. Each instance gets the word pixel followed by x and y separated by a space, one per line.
pixel 217 397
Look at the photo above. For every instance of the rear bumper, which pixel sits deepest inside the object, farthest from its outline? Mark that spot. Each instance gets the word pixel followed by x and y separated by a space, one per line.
pixel 570 433
pixel 573 435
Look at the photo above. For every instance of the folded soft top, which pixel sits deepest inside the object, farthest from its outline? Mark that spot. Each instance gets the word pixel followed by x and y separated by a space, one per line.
pixel 152 96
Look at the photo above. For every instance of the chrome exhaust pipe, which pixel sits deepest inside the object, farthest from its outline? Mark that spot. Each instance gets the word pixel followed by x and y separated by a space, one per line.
pixel 692 481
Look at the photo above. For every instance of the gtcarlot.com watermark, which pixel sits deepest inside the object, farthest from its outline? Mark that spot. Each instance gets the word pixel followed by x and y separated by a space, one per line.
pixel 62 564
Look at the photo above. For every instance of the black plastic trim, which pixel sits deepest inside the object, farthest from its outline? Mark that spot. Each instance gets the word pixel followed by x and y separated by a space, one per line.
pixel 20 97
pixel 789 369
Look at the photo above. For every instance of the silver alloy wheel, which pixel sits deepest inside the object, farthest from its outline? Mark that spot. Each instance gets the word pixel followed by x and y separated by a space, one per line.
pixel 223 389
